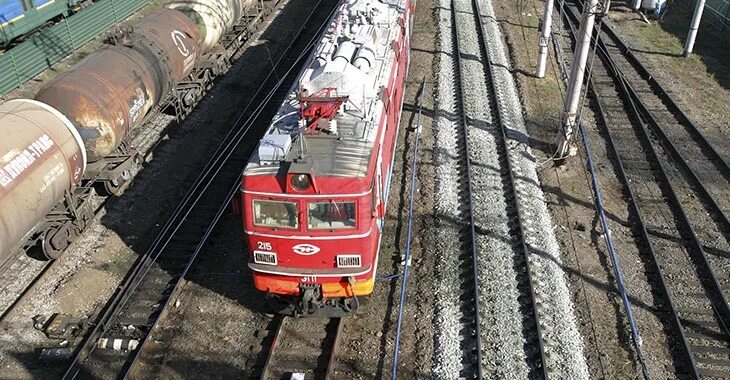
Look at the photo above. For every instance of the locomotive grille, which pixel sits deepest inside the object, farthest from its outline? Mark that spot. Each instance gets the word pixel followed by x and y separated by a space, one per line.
pixel 267 258
pixel 348 261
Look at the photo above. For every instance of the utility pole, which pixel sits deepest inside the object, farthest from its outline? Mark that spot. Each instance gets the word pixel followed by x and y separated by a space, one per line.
pixel 693 27
pixel 575 84
pixel 542 50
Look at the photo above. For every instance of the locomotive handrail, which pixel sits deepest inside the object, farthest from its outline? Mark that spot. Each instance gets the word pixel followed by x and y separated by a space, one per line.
pixel 407 257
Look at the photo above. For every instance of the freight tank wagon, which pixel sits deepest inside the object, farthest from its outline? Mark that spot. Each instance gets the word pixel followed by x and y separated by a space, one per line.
pixel 76 132
pixel 315 190
pixel 42 156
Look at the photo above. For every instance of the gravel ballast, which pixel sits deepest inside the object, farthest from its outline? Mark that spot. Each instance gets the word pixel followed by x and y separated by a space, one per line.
pixel 447 353
pixel 563 342
pixel 502 323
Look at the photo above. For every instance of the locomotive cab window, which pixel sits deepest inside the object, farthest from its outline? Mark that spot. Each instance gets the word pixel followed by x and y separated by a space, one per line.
pixel 275 214
pixel 331 215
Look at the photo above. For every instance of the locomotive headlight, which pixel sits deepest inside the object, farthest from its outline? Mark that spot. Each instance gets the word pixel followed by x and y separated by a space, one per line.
pixel 300 182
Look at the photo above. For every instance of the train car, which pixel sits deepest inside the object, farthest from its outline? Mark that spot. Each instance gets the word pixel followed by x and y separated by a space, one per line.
pixel 315 190
pixel 19 17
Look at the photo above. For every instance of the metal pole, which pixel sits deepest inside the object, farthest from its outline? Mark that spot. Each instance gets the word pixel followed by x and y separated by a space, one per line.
pixel 542 50
pixel 693 27
pixel 572 98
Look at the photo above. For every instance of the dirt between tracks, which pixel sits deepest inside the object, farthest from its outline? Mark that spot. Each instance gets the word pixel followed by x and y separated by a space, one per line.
pixel 700 83
pixel 89 272
pixel 701 89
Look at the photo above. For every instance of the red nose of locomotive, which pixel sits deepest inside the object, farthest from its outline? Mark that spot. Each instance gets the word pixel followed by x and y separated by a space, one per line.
pixel 326 246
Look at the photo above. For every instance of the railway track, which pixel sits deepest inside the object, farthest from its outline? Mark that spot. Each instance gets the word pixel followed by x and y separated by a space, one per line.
pixel 666 198
pixel 121 343
pixel 686 151
pixel 470 329
pixel 510 170
pixel 304 346
pixel 37 269
pixel 473 56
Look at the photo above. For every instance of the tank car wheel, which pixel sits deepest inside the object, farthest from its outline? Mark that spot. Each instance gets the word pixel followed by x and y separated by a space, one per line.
pixel 50 250
pixel 114 187
pixel 80 224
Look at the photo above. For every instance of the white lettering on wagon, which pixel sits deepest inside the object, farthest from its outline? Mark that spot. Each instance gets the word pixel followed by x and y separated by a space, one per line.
pixel 18 163
pixel 136 109
pixel 51 176
pixel 179 38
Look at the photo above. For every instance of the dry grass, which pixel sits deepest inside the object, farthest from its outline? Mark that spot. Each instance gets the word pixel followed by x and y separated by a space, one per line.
pixel 700 82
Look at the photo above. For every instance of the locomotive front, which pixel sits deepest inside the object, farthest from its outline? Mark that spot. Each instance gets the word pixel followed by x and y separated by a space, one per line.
pixel 315 253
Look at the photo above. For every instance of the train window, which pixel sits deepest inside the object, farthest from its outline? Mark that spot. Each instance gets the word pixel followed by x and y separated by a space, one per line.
pixel 275 214
pixel 331 215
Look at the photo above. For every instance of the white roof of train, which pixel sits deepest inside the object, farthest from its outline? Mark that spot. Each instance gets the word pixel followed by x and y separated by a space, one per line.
pixel 355 57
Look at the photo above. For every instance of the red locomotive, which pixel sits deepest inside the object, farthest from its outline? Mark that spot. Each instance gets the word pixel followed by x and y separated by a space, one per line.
pixel 316 188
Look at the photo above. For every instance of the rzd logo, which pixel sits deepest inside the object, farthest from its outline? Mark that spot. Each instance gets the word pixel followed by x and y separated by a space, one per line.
pixel 305 249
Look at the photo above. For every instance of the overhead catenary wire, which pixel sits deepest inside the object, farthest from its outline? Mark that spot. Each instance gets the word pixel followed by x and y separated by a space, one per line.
pixel 407 257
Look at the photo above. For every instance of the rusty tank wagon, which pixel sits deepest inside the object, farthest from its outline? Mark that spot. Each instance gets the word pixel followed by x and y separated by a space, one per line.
pixel 74 137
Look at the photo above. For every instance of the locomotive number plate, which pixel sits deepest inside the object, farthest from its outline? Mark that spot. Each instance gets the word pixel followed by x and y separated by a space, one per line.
pixel 309 278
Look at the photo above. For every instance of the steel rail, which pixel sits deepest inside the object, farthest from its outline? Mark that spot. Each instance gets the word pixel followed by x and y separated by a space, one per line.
pixel 709 283
pixel 644 114
pixel 282 83
pixel 648 115
pixel 475 290
pixel 608 236
pixel 27 289
pixel 641 224
pixel 230 49
pixel 669 101
pixel 519 224
pixel 666 141
pixel 177 219
pixel 328 352
pixel 598 203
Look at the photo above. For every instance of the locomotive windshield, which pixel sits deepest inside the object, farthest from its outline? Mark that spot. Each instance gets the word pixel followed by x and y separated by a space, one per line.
pixel 331 215
pixel 275 214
